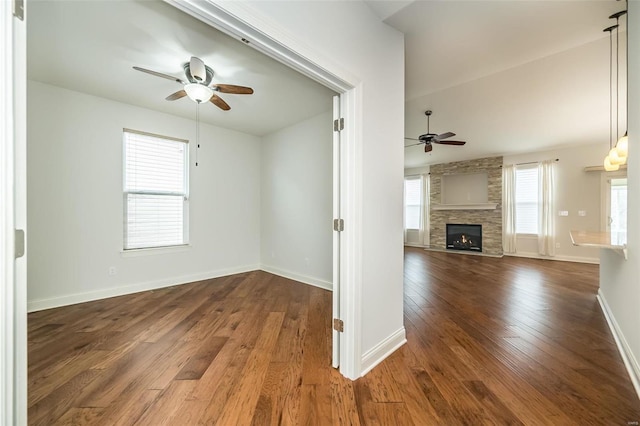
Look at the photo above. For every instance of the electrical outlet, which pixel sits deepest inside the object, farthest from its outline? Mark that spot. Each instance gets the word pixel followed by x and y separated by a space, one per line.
pixel 563 213
pixel 306 260
pixel 582 212
pixel 557 245
pixel 113 270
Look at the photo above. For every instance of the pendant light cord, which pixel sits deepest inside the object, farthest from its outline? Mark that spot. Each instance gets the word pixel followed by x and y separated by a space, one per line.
pixel 617 79
pixel 610 91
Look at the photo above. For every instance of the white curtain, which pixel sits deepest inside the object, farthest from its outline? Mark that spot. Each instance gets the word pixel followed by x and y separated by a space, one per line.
pixel 509 209
pixel 425 224
pixel 546 208
pixel 416 227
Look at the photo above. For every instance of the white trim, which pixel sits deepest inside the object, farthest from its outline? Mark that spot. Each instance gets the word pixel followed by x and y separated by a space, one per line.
pixel 378 353
pixel 578 259
pixel 152 251
pixel 72 299
pixel 316 282
pixel 630 362
pixel 415 245
pixel 7 331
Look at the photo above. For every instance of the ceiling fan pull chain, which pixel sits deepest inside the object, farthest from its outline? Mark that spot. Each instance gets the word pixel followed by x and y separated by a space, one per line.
pixel 197 131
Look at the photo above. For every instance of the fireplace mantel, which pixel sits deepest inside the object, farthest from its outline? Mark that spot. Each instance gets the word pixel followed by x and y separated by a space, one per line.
pixel 475 206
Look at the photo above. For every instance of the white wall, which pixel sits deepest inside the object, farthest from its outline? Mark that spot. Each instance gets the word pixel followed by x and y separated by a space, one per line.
pixel 561 98
pixel 297 191
pixel 75 200
pixel 575 190
pixel 359 45
pixel 619 278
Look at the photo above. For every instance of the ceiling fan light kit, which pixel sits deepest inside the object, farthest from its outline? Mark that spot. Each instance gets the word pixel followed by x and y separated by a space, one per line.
pixel 198 92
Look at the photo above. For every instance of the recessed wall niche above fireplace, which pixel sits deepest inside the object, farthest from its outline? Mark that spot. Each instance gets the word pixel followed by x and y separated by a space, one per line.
pixel 464 237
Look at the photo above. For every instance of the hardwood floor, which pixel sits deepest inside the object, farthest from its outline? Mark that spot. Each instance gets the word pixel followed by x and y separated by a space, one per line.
pixel 490 341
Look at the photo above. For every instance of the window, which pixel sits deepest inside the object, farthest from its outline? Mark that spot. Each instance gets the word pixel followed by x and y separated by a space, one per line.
pixel 412 202
pixel 526 196
pixel 618 208
pixel 155 191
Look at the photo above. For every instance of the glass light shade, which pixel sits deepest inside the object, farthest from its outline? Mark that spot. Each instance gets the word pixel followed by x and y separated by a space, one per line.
pixel 622 146
pixel 623 160
pixel 614 159
pixel 608 166
pixel 198 92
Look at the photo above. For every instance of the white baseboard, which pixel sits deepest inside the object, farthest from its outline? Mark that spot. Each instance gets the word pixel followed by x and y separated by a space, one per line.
pixel 316 282
pixel 382 350
pixel 72 299
pixel 578 259
pixel 415 245
pixel 630 362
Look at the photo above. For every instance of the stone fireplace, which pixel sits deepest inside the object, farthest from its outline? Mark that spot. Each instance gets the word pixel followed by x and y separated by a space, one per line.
pixel 486 213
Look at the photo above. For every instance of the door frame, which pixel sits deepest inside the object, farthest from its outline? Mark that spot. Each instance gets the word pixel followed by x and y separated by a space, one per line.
pixel 241 21
pixel 13 294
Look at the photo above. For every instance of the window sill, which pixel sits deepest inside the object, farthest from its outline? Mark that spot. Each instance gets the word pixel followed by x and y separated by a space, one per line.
pixel 152 251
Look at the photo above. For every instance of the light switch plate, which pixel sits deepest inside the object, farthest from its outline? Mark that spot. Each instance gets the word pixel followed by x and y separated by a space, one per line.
pixel 563 213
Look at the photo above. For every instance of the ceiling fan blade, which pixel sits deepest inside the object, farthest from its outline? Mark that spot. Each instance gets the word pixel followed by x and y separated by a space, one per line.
pixel 444 136
pixel 177 95
pixel 428 147
pixel 220 103
pixel 236 90
pixel 197 69
pixel 159 74
pixel 412 139
pixel 450 142
pixel 413 144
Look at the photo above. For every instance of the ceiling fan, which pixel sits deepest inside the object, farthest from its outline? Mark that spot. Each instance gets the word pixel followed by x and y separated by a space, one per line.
pixel 198 86
pixel 428 139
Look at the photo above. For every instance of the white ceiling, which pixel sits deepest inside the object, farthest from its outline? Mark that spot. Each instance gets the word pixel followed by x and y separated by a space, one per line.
pixel 91 47
pixel 506 76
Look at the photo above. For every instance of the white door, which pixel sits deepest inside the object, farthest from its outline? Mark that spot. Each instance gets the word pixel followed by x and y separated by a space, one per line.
pixel 13 293
pixel 336 234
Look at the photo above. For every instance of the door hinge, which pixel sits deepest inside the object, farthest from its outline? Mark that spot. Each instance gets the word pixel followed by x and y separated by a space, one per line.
pixel 19 244
pixel 18 9
pixel 338 124
pixel 338 325
pixel 338 225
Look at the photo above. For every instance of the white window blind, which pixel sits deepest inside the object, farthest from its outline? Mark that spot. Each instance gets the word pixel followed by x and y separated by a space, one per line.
pixel 526 200
pixel 412 202
pixel 155 191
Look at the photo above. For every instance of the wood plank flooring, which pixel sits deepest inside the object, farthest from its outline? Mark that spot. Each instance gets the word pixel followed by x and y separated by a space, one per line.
pixel 490 341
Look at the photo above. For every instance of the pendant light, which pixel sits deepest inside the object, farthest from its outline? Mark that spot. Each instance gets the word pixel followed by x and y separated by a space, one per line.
pixel 621 147
pixel 609 165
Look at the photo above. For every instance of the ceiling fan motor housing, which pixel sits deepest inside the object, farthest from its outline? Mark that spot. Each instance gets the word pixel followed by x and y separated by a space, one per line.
pixel 206 82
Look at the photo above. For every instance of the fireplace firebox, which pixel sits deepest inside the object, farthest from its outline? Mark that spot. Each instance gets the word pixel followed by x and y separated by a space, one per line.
pixel 464 237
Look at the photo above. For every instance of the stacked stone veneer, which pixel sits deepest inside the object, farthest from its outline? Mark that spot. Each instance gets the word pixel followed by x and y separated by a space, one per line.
pixel 491 220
